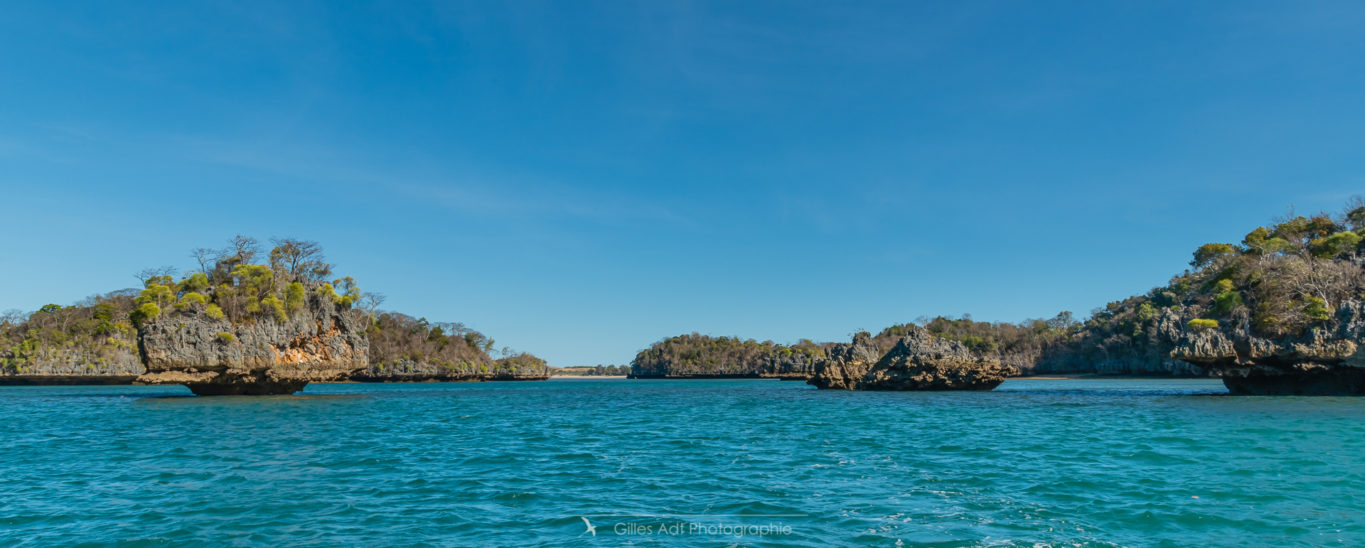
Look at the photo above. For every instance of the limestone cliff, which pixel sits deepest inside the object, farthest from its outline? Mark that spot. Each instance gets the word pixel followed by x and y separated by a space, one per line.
pixel 318 342
pixel 1323 361
pixel 918 361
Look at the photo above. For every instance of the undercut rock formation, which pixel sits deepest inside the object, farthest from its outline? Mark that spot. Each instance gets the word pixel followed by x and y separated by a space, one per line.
pixel 319 342
pixel 1322 361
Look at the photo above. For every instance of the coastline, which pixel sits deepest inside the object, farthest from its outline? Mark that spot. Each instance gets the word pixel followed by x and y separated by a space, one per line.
pixel 105 380
pixel 112 380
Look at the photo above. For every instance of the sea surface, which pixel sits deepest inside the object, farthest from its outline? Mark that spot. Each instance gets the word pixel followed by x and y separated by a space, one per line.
pixel 695 463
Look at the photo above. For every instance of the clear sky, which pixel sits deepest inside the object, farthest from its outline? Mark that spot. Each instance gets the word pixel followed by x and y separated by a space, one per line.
pixel 581 179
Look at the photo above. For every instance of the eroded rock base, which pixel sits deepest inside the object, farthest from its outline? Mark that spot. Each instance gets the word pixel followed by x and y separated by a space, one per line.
pixel 230 383
pixel 254 388
pixel 1336 382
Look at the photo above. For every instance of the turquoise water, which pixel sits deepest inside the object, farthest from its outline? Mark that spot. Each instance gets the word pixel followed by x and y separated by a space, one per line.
pixel 768 463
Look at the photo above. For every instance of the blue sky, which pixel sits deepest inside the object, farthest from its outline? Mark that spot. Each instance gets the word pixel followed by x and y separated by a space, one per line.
pixel 580 179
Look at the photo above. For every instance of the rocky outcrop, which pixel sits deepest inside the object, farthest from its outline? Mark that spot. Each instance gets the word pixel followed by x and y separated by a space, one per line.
pixel 918 361
pixel 1323 361
pixel 845 365
pixel 318 342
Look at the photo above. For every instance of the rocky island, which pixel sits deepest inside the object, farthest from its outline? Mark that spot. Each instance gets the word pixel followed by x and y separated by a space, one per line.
pixel 236 327
pixel 241 328
pixel 316 340
pixel 1280 313
pixel 917 361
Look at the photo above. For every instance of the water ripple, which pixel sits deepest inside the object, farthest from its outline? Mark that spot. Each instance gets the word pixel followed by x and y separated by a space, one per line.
pixel 1065 463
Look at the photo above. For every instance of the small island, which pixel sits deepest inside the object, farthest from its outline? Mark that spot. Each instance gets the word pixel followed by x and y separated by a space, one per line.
pixel 240 325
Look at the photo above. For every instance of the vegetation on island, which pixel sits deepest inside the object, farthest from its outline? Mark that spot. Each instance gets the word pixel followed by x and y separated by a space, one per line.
pixel 402 346
pixel 398 341
pixel 1280 280
pixel 515 363
pixel 230 286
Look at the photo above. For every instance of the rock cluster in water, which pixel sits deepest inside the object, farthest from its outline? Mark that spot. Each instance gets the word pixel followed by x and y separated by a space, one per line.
pixel 918 361
pixel 1319 362
pixel 321 342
